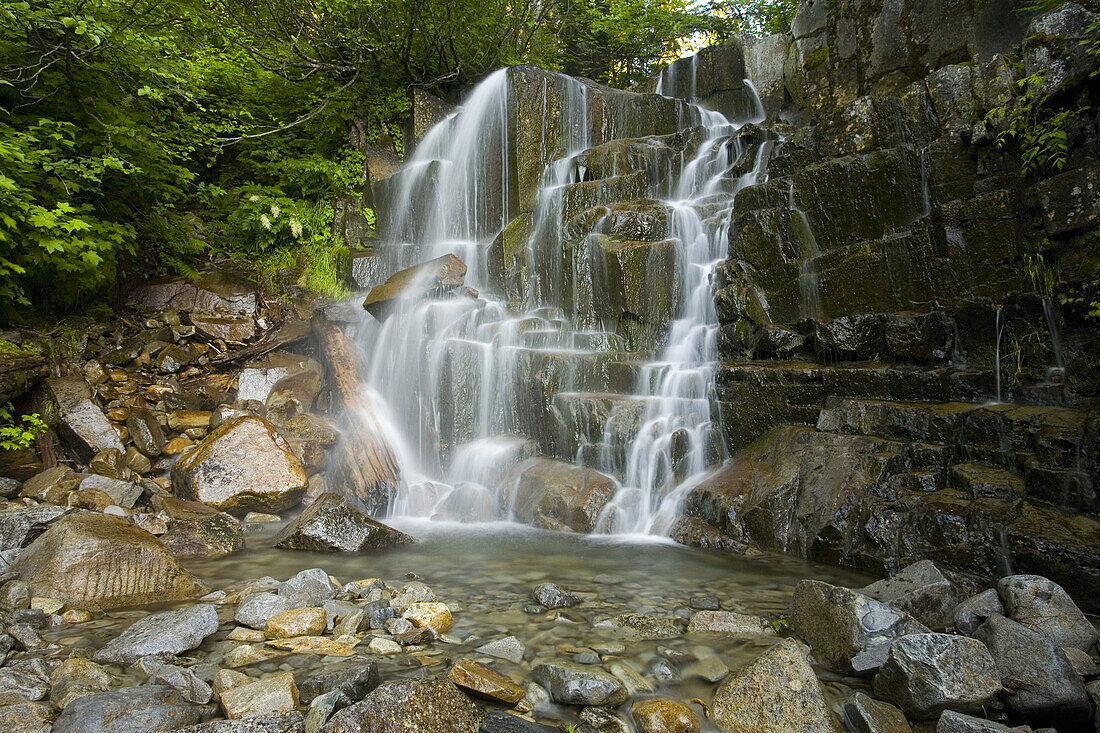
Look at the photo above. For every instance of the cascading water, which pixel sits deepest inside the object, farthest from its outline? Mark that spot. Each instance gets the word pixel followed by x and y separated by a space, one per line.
pixel 446 373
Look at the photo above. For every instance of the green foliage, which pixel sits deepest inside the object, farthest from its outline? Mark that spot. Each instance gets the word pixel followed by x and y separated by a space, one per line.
pixel 19 434
pixel 1087 297
pixel 755 17
pixel 1040 131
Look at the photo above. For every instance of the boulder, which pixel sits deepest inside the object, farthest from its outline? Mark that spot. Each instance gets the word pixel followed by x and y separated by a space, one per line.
pixel 1042 605
pixel 920 590
pixel 575 684
pixel 148 709
pixel 229 328
pixel 925 674
pixel 777 691
pixel 409 706
pixel 1043 688
pixel 77 677
pixel 25 717
pixel 166 633
pixel 258 379
pixel 121 493
pixel 99 561
pixel 331 524
pixel 429 279
pixel 258 608
pixel 196 530
pixel 312 585
pixel 269 696
pixel 243 465
pixel 353 684
pixel 80 419
pixel 558 495
pixel 552 596
pixel 181 679
pixel 864 714
pixel 848 631
pixel 19 527
pixel 51 486
pixel 297 622
pixel 213 292
pixel 952 722
pixel 479 680
pixel 974 611
pixel 661 715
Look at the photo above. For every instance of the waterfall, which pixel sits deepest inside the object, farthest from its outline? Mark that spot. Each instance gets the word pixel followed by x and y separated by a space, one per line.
pixel 472 384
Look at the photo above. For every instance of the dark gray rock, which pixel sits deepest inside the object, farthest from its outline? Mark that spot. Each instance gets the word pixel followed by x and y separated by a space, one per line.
pixel 498 721
pixel 82 422
pixel 847 631
pixel 1043 605
pixel 974 611
pixel 353 683
pixel 313 582
pixel 149 709
pixel 952 722
pixel 181 679
pixel 705 602
pixel 864 714
pixel 925 674
pixel 920 590
pixel 170 632
pixel 602 720
pixel 20 527
pixel 145 431
pixel 331 524
pixel 279 723
pixel 9 488
pixel 409 706
pixel 574 684
pixel 1043 686
pixel 551 595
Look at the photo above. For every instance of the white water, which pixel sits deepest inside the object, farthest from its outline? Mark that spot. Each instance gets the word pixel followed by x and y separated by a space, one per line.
pixel 468 386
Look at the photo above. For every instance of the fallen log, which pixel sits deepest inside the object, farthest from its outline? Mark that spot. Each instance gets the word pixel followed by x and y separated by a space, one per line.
pixel 365 470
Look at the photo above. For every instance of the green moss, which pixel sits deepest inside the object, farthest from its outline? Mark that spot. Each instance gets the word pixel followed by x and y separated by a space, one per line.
pixel 816 58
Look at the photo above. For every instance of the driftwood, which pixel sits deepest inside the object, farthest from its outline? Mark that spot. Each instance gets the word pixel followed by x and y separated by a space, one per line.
pixel 366 470
pixel 290 333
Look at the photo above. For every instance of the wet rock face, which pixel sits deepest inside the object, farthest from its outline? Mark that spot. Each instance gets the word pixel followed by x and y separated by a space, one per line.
pixel 213 293
pixel 243 465
pixel 925 674
pixel 778 691
pixel 430 279
pixel 922 591
pixel 559 495
pixel 331 524
pixel 410 706
pixel 98 561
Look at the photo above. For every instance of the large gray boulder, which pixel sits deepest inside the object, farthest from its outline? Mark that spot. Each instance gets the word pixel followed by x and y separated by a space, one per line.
pixel 242 465
pixel 974 611
pixel 847 631
pixel 257 608
pixel 576 684
pixel 98 561
pixel 922 591
pixel 1043 605
pixel 331 524
pixel 558 495
pixel 170 632
pixel 925 674
pixel 409 706
pixel 776 692
pixel 1043 687
pixel 81 420
pixel 148 709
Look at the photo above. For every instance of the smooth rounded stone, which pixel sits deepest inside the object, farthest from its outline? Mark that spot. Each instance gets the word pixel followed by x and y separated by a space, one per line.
pixel 553 596
pixel 97 562
pixel 290 722
pixel 145 431
pixel 728 622
pixel 500 721
pixel 169 632
pixel 953 722
pixel 586 658
pixel 146 709
pixel 313 582
pixel 920 590
pixel 271 695
pixel 509 648
pixel 380 645
pixel 433 614
pixel 196 530
pixel 257 609
pixel 710 669
pixel 77 677
pixel 25 717
pixel 864 714
pixel 661 715
pixel 839 624
pixel 574 684
pixel 354 683
pixel 483 682
pixel 410 593
pixel 663 671
pixel 705 602
pixel 925 674
pixel 181 679
pixel 26 684
pixel 297 622
pixel 432 705
pixel 777 691
pixel 634 683
pixel 1043 605
pixel 974 611
pixel 1043 686
pixel 332 524
pixel 243 465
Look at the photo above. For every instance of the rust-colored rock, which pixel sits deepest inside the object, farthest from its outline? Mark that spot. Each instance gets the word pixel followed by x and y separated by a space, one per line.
pixel 484 682
pixel 433 277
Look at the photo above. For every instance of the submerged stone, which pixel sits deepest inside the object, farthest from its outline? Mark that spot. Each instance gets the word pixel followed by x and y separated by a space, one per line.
pixel 331 524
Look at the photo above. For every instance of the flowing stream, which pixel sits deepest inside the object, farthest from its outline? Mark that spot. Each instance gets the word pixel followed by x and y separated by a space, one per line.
pixel 470 385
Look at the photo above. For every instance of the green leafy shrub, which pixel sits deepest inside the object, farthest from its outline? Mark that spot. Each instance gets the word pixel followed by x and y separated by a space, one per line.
pixel 19 434
pixel 1040 130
